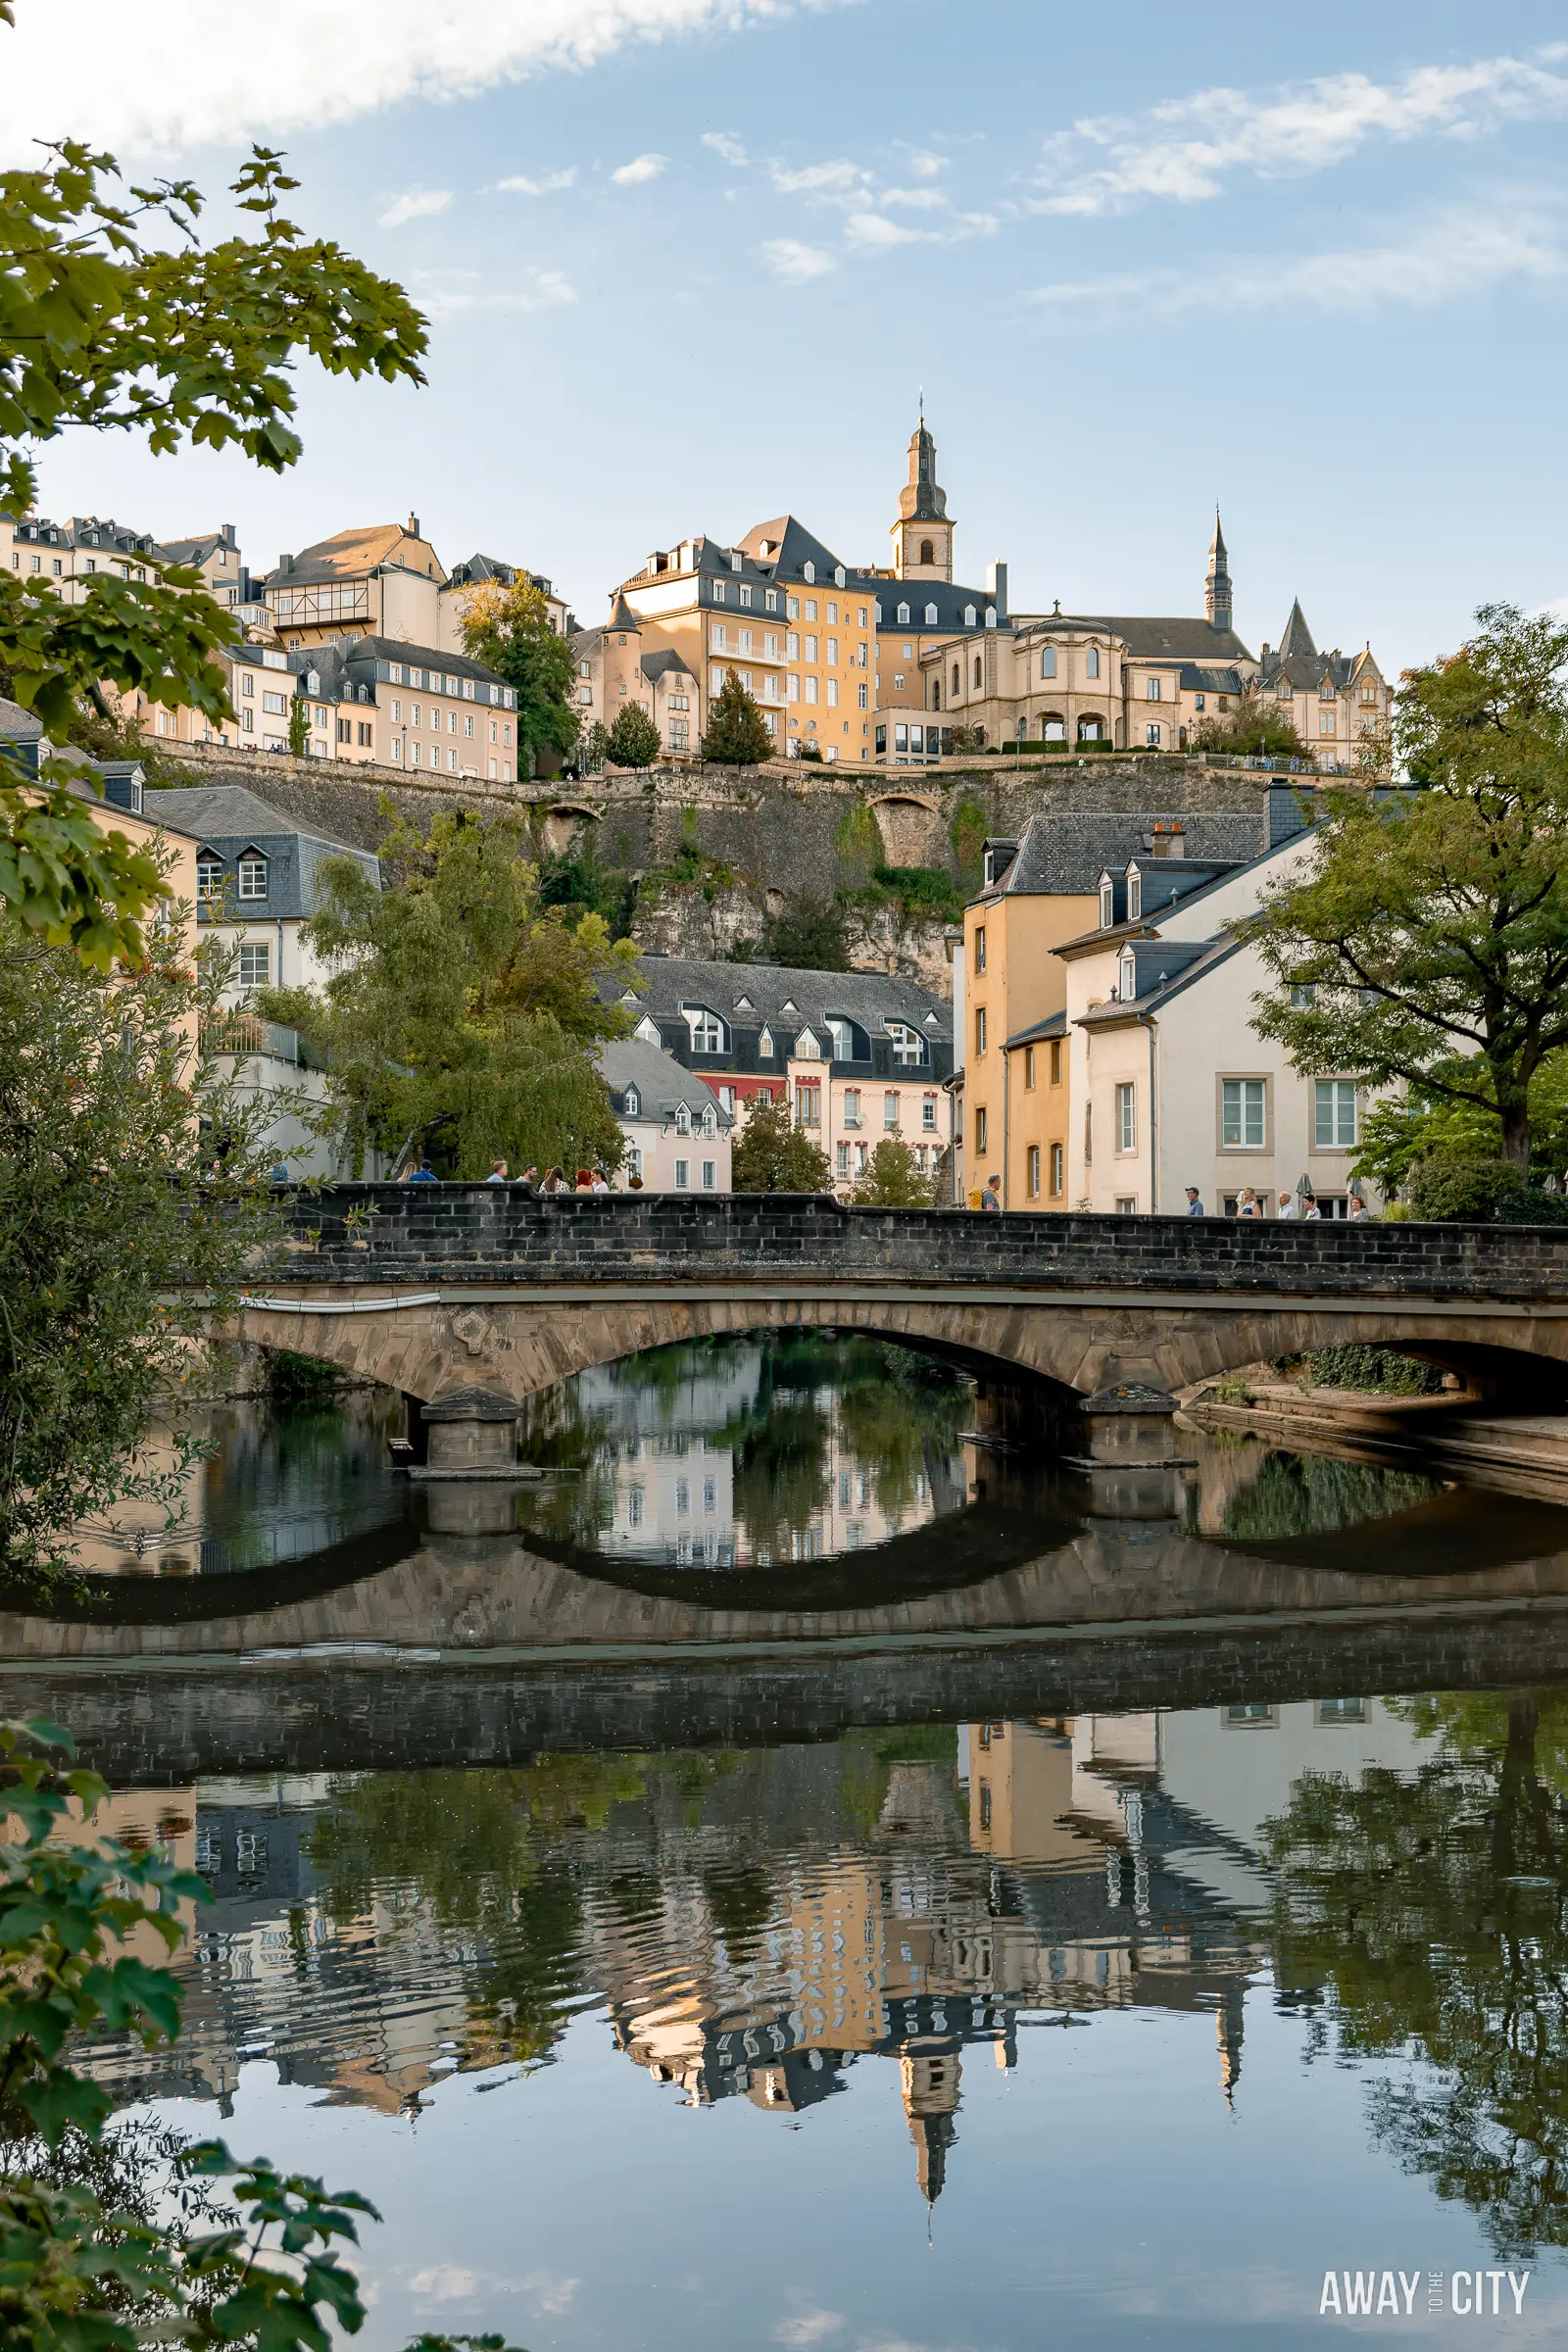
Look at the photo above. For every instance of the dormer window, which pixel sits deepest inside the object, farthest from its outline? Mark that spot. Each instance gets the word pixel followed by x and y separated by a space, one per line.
pixel 910 1048
pixel 253 875
pixel 209 875
pixel 631 1103
pixel 1135 893
pixel 789 1006
pixel 903 617
pixel 991 617
pixel 838 575
pixel 806 1048
pixel 313 682
pixel 710 1126
pixel 1108 902
pixel 931 616
pixel 736 560
pixel 648 1030
pixel 809 573
pixel 970 617
pixel 707 1030
pixel 765 1046
pixel 1129 979
pixel 743 1004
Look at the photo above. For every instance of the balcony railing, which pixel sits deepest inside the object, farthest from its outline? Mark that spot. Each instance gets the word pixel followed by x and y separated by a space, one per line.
pixel 248 1035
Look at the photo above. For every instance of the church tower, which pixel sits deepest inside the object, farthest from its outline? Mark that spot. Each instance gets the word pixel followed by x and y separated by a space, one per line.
pixel 1218 592
pixel 923 536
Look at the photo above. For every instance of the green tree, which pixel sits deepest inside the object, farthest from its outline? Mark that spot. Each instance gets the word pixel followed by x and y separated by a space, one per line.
pixel 132 1203
pixel 461 1015
pixel 968 828
pixel 299 726
pixel 810 932
pixel 737 735
pixel 95 2256
pixel 1434 1907
pixel 773 1155
pixel 508 628
pixel 633 740
pixel 1428 939
pixel 114 316
pixel 1258 725
pixel 895 1179
pixel 858 844
pixel 1413 1128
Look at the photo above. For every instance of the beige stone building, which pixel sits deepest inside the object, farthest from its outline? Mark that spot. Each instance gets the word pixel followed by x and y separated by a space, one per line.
pixel 385 580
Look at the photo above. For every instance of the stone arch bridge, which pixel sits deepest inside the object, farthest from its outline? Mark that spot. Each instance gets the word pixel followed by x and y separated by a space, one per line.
pixel 437 1289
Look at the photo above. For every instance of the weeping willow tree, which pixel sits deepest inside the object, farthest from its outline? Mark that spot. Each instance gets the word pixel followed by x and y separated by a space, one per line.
pixel 461 1016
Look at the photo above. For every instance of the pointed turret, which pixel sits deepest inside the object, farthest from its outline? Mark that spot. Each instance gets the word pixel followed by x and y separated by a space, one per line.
pixel 1297 643
pixel 622 615
pixel 1217 590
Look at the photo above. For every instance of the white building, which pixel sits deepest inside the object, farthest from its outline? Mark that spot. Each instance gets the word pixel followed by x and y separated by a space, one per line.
pixel 677 1135
pixel 258 874
pixel 1171 1085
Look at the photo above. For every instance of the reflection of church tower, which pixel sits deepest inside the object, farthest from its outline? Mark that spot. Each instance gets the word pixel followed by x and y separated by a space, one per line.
pixel 1228 2026
pixel 1218 592
pixel 930 2099
pixel 923 536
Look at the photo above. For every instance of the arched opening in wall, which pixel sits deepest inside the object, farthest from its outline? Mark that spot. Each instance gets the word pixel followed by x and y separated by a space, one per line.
pixel 905 823
pixel 1052 728
pixel 928 552
pixel 1091 727
pixel 565 826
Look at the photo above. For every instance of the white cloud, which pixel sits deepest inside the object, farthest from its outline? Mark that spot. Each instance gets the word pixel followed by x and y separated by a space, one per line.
pixel 841 182
pixel 550 2290
pixel 445 293
pixel 163 77
pixel 1183 151
pixel 445 2282
pixel 809 2327
pixel 414 204
pixel 641 167
pixel 789 259
pixel 726 145
pixel 926 165
pixel 917 200
pixel 1446 257
pixel 545 184
pixel 873 232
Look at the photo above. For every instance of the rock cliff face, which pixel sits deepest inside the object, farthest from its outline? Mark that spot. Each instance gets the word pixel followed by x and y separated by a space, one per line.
pixel 717 849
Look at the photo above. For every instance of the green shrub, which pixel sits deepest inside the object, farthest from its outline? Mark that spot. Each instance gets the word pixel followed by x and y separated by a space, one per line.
pixel 1379 1369
pixel 1461 1188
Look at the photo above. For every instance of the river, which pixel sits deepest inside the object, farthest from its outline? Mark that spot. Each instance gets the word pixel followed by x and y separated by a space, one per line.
pixel 795 1875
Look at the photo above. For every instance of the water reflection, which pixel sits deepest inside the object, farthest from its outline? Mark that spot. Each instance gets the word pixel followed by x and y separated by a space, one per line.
pixel 737 1453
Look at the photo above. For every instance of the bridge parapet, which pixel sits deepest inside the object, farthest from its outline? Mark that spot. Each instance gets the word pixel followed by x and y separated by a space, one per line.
pixel 411 1235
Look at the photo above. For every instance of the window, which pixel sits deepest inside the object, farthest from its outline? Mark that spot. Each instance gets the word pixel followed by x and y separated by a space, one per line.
pixel 256 966
pixel 1151 733
pixel 726 1098
pixel 1339 1710
pixel 930 617
pixel 1127 1204
pixel 1153 690
pixel 1242 1105
pixel 980 949
pixel 253 875
pixel 1303 994
pixel 910 1048
pixel 683 1178
pixel 889 1110
pixel 1135 893
pixel 1092 662
pixel 979 671
pixel 1251 1716
pixel 709 1175
pixel 707 1030
pixel 1333 1114
pixel 928 1114
pixel 808 573
pixel 365 737
pixel 809 1104
pixel 957 679
pixel 980 1132
pixel 709 1124
pixel 278 704
pixel 208 877
pixel 1057 1171
pixel 746 596
pixel 1056 1061
pixel 979 1029
pixel 631 1103
pixel 720 591
pixel 765 1046
pixel 1126 1118
pixel 1108 902
pixel 852 1107
pixel 810 690
pixel 345 730
pixel 842 1162
pixel 1034 1171
pixel 1048 663
pixel 903 617
pixel 1029 1070
pixel 683 1120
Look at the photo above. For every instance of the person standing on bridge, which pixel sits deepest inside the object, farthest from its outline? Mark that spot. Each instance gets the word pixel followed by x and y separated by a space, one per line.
pixel 990 1198
pixel 1287 1209
pixel 1249 1205
pixel 498 1172
pixel 1195 1204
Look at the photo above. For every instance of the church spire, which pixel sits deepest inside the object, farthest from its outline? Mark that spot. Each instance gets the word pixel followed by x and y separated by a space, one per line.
pixel 923 536
pixel 1217 590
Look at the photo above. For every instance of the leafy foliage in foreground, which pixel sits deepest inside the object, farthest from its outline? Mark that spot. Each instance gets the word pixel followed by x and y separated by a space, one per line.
pixel 132 1203
pixel 114 316
pixel 78 2273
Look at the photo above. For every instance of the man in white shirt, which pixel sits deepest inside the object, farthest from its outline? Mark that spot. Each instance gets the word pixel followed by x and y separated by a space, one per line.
pixel 1287 1211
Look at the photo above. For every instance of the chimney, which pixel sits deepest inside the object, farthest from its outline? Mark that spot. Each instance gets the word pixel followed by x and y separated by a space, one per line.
pixel 997 584
pixel 227 532
pixel 285 562
pixel 412 527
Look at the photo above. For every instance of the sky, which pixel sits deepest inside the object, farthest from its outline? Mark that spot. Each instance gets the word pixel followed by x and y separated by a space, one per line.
pixel 690 263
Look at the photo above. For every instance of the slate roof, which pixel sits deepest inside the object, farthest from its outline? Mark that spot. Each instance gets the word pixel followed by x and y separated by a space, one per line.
pixel 1064 853
pixel 793 547
pixel 360 653
pixel 1156 639
pixel 85 530
pixel 664 983
pixel 195 551
pixel 17 725
pixel 229 817
pixel 1188 962
pixel 1206 677
pixel 659 1080
pixel 661 666
pixel 1055 1024
pixel 622 615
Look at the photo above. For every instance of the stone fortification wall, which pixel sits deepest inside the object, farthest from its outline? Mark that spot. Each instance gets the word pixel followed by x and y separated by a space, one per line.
pixel 761 834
